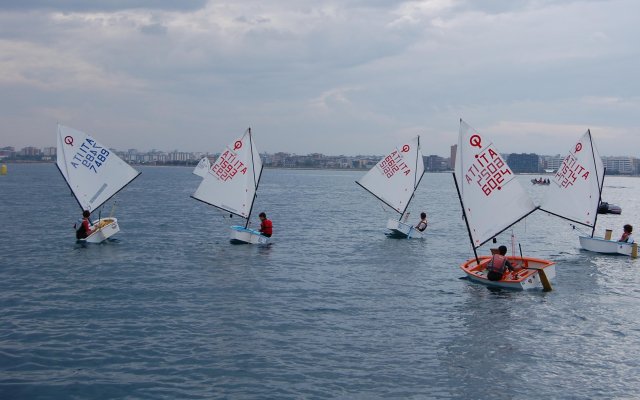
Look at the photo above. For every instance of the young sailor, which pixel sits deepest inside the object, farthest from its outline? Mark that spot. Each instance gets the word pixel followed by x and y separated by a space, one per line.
pixel 83 227
pixel 266 226
pixel 626 235
pixel 422 225
pixel 499 264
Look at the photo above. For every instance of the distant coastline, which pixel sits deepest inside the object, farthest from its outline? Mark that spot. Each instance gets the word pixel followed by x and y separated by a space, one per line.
pixel 193 164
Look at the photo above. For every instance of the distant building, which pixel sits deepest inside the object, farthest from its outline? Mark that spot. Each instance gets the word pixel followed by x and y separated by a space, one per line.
pixel 452 156
pixel 520 163
pixel 435 163
pixel 619 165
pixel 30 151
pixel 551 163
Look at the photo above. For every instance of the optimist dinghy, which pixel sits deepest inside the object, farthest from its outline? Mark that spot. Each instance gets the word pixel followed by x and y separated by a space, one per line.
pixel 394 180
pixel 493 200
pixel 575 194
pixel 231 184
pixel 94 174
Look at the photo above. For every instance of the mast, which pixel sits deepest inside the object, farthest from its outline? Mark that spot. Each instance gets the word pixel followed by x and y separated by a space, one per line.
pixel 601 184
pixel 595 219
pixel 464 215
pixel 415 176
pixel 255 183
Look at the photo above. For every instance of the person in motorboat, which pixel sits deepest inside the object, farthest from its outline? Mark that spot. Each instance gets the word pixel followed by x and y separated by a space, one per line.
pixel 83 227
pixel 499 264
pixel 266 226
pixel 422 225
pixel 626 235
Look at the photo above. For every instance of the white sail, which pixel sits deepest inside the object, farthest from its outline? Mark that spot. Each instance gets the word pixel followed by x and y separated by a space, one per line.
pixel 203 167
pixel 231 182
pixel 93 172
pixel 395 178
pixel 574 192
pixel 492 197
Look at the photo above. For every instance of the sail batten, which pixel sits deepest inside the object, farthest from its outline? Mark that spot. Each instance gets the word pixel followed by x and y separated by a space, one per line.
pixel 490 194
pixel 231 182
pixel 394 179
pixel 92 171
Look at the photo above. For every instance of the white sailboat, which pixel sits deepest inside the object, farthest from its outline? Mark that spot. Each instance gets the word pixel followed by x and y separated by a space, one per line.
pixel 394 180
pixel 493 200
pixel 575 194
pixel 231 184
pixel 94 174
pixel 203 166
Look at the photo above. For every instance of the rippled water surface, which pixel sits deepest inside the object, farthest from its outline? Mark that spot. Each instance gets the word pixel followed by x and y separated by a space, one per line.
pixel 332 309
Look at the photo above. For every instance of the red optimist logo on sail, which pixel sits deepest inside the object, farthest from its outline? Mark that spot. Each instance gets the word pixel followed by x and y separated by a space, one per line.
pixel 394 163
pixel 228 165
pixel 571 169
pixel 488 170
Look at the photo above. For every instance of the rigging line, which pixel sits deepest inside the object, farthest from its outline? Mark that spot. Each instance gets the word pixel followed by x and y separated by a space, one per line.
pixel 579 230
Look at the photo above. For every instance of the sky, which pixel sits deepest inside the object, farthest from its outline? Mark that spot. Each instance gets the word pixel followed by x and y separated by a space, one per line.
pixel 352 77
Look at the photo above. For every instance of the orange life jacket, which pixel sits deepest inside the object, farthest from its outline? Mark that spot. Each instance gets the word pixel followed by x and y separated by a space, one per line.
pixel 497 264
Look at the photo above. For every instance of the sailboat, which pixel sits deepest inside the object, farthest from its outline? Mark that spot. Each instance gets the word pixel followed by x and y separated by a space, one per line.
pixel 575 194
pixel 493 200
pixel 394 180
pixel 94 174
pixel 202 167
pixel 231 184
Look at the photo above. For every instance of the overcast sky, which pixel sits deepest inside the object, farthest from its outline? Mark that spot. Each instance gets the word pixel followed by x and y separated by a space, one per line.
pixel 335 77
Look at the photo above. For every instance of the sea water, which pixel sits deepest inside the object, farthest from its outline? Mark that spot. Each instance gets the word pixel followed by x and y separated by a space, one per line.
pixel 332 309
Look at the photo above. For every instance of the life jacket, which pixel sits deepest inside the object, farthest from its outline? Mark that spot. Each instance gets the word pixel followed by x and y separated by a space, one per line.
pixel 422 225
pixel 81 231
pixel 497 264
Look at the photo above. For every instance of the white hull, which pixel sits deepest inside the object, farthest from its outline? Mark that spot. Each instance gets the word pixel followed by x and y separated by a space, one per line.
pixel 601 245
pixel 242 235
pixel 106 227
pixel 401 229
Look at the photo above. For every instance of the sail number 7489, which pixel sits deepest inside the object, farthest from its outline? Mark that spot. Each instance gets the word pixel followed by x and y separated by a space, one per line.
pixel 90 155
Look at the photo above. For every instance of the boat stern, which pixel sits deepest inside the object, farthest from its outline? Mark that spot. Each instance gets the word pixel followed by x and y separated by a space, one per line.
pixel 103 229
pixel 403 230
pixel 242 235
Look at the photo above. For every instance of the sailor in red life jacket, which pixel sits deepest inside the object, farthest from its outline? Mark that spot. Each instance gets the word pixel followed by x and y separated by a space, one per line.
pixel 266 226
pixel 499 264
pixel 83 229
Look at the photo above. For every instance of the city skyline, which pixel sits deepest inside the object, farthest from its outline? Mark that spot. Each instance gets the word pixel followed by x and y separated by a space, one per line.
pixel 211 153
pixel 343 77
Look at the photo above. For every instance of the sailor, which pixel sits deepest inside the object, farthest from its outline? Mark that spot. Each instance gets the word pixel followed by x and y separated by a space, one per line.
pixel 422 225
pixel 626 235
pixel 83 228
pixel 499 264
pixel 266 226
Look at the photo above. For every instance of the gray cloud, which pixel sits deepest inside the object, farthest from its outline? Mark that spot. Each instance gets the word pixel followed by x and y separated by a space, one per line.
pixel 99 5
pixel 340 78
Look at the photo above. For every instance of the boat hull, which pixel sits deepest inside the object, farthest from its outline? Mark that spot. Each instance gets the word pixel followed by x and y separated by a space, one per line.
pixel 403 230
pixel 603 246
pixel 242 235
pixel 528 278
pixel 102 229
